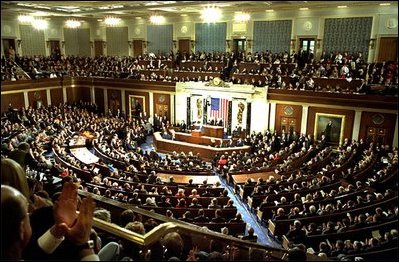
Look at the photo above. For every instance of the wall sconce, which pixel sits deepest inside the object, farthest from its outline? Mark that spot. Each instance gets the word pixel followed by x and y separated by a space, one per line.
pixel 174 43
pixel 372 43
pixel 91 44
pixel 192 43
pixel 63 44
pixel 318 43
pixel 293 43
pixel 145 44
pixel 249 43
pixel 104 44
pixel 19 42
pixel 48 44
pixel 130 43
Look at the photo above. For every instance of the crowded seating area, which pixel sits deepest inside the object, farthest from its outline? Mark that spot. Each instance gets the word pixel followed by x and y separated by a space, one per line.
pixel 306 194
pixel 300 72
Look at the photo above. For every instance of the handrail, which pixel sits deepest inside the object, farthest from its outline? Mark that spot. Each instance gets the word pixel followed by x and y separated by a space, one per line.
pixel 169 225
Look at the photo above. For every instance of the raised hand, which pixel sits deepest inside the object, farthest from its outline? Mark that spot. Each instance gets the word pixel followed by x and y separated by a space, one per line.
pixel 64 210
pixel 80 231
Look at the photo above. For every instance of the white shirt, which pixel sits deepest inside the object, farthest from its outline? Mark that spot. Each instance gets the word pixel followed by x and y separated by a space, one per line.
pixel 49 243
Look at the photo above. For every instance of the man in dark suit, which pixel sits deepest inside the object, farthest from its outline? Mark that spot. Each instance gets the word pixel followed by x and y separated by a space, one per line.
pixel 23 156
pixel 201 218
pixel 218 217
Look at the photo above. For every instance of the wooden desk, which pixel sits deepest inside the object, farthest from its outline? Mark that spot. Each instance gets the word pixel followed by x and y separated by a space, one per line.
pixel 195 139
pixel 206 152
pixel 241 179
pixel 182 179
pixel 213 131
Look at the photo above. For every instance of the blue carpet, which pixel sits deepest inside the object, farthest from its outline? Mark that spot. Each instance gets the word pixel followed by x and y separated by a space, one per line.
pixel 250 218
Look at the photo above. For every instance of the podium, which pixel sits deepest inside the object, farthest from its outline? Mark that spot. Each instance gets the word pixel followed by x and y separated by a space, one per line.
pixel 196 133
pixel 213 131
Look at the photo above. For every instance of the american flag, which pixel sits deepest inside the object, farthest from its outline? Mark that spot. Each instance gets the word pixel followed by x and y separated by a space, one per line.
pixel 220 109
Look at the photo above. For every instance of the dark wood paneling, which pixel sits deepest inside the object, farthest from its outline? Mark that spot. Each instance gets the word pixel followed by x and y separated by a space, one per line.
pixel 16 100
pixel 99 95
pixel 184 46
pixel 388 124
pixel 98 48
pixel 73 94
pixel 85 94
pixel 56 96
pixel 388 50
pixel 161 104
pixel 137 47
pixel 296 114
pixel 35 96
pixel 146 97
pixel 349 117
pixel 369 101
pixel 114 100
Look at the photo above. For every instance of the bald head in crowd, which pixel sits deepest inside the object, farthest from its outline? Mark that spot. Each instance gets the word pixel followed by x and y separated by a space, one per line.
pixel 15 223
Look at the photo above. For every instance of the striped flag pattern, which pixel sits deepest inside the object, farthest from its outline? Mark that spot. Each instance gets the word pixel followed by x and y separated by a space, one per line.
pixel 220 109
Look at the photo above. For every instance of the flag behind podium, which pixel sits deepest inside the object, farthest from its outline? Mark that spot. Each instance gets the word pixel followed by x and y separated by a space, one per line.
pixel 220 109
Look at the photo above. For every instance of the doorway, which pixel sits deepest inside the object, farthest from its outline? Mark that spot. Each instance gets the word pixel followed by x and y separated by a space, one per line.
pixel 288 124
pixel 376 135
pixel 307 44
pixel 98 48
pixel 388 49
pixel 7 43
pixel 239 45
pixel 137 47
pixel 55 49
pixel 184 46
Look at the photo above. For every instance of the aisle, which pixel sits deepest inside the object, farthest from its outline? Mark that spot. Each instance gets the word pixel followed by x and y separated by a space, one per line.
pixel 247 216
pixel 250 218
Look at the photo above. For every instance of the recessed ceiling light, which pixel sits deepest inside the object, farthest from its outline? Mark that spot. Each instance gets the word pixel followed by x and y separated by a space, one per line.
pixel 138 17
pixel 385 4
pixel 183 15
pixel 342 6
pixel 269 10
pixel 303 8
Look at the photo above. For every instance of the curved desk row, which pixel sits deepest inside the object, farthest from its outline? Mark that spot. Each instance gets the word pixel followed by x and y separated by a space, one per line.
pixel 206 152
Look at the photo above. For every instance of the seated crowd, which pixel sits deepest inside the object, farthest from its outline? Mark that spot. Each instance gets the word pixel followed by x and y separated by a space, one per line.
pixel 311 182
pixel 297 72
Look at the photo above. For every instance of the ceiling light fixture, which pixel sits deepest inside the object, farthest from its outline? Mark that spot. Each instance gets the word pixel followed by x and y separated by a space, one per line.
pixel 112 21
pixel 25 18
pixel 385 4
pixel 183 15
pixel 241 17
pixel 73 24
pixel 40 24
pixel 211 14
pixel 269 10
pixel 303 8
pixel 157 19
pixel 342 6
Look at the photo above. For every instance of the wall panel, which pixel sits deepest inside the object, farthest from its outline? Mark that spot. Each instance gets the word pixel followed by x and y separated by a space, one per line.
pixel 293 112
pixel 16 100
pixel 117 38
pixel 160 38
pixel 35 96
pixel 378 120
pixel 32 41
pixel 210 37
pixel 274 36
pixel 56 96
